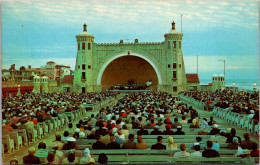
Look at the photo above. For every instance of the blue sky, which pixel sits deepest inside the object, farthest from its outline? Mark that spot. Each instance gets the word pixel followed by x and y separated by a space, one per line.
pixel 36 32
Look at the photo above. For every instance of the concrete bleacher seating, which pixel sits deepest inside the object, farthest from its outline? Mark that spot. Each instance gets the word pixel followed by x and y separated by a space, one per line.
pixel 21 136
pixel 136 156
pixel 236 119
pixel 8 143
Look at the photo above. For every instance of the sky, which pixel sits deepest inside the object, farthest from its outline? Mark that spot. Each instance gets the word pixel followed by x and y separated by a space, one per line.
pixel 34 32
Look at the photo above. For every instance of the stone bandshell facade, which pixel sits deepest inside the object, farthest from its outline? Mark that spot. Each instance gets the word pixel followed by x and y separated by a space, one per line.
pixel 93 58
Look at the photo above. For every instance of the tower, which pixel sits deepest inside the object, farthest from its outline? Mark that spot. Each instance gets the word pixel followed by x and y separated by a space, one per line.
pixel 44 83
pixel 83 70
pixel 176 70
pixel 36 85
pixel 218 82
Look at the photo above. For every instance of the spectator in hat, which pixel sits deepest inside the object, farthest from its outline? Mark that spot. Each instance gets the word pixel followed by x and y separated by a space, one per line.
pixel 71 144
pixel 196 153
pixel 215 130
pixel 171 145
pixel 179 131
pixel 159 145
pixel 209 152
pixel 168 130
pixel 31 159
pixel 183 153
pixel 98 145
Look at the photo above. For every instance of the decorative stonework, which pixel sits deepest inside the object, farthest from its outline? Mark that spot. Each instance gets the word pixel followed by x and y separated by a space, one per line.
pixel 158 54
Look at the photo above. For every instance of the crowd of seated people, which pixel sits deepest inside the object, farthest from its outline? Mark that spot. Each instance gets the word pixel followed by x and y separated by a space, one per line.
pixel 112 128
pixel 240 102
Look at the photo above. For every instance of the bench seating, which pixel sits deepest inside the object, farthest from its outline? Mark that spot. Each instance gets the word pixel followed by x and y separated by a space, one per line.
pixel 83 146
pixel 158 156
pixel 23 134
pixel 8 143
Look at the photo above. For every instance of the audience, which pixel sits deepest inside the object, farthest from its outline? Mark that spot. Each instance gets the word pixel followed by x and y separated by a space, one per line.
pixel 234 144
pixel 31 159
pixel 179 131
pixel 247 143
pixel 171 145
pixel 144 111
pixel 183 153
pixel 159 145
pixel 130 144
pixel 98 145
pixel 209 152
pixel 87 159
pixel 255 150
pixel 113 144
pixel 141 144
pixel 102 158
pixel 196 153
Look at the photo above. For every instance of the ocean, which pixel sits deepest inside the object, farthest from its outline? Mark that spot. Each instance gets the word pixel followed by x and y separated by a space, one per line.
pixel 242 84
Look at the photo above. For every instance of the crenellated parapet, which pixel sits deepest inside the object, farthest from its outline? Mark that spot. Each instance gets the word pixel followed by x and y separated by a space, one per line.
pixel 129 43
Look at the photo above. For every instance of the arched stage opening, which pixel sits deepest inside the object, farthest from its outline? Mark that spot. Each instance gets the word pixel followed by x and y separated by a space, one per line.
pixel 129 70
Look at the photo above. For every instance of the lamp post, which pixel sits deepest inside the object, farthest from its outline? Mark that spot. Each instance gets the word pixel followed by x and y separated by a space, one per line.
pixel 181 22
pixel 254 89
pixel 19 91
pixel 224 67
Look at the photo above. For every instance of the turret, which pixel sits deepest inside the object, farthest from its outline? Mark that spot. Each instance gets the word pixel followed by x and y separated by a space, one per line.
pixel 176 69
pixel 44 83
pixel 36 85
pixel 83 68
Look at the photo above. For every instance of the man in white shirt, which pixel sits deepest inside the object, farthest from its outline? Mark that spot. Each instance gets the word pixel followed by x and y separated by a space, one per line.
pixel 183 153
